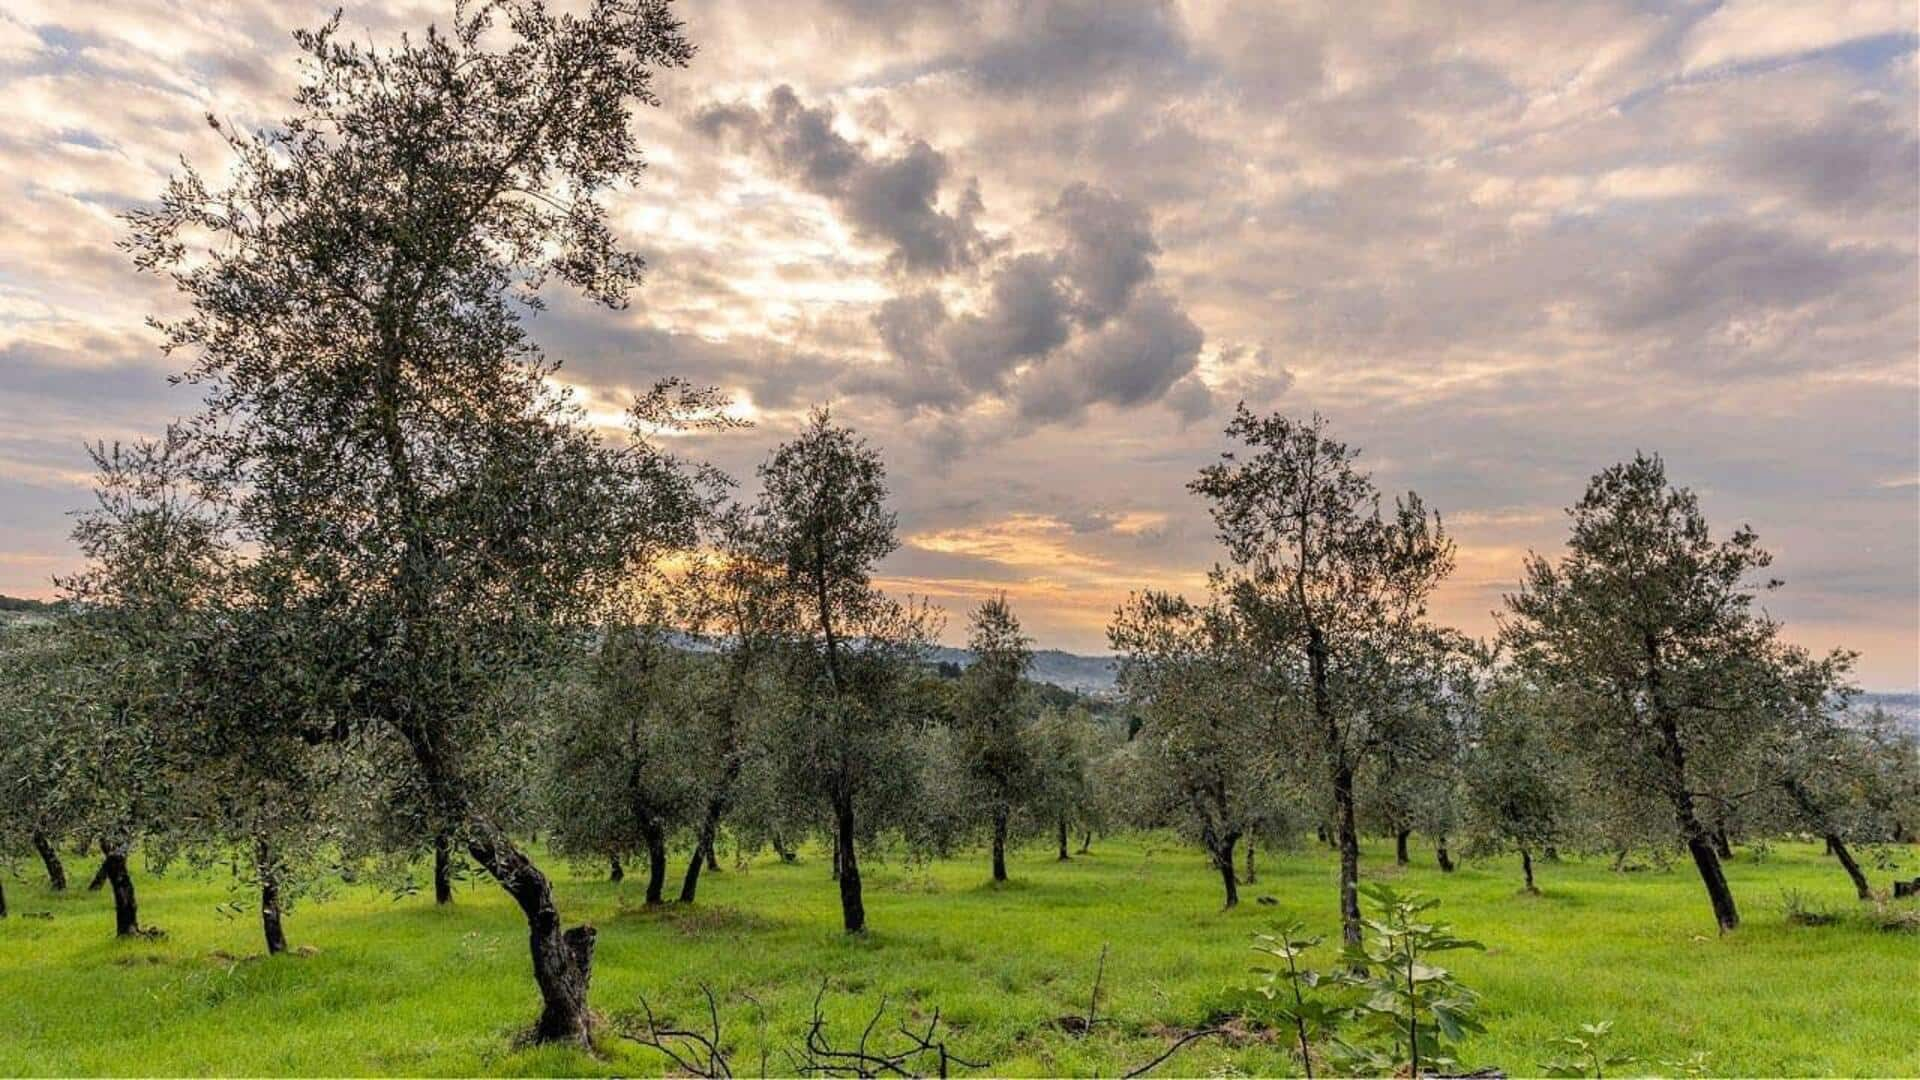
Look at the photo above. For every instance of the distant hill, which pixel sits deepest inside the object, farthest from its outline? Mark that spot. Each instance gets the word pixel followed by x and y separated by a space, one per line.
pixel 1092 675
pixel 1904 708
pixel 21 603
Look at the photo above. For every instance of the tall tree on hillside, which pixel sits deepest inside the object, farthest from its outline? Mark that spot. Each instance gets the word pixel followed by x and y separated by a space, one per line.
pixel 1652 623
pixel 823 518
pixel 1332 593
pixel 993 719
pixel 356 291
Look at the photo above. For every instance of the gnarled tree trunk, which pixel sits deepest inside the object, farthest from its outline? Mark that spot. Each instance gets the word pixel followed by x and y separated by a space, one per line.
pixel 50 855
pixel 1400 837
pixel 126 907
pixel 562 958
pixel 1441 856
pixel 1526 869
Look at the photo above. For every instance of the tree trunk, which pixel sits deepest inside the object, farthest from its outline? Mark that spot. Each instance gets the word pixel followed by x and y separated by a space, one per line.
pixel 1349 838
pixel 1526 869
pixel 1715 878
pixel 99 879
pixel 1551 853
pixel 1000 845
pixel 50 855
pixel 1400 846
pixel 1250 878
pixel 853 911
pixel 1688 820
pixel 562 959
pixel 126 907
pixel 656 862
pixel 1441 856
pixel 713 860
pixel 1830 847
pixel 1722 846
pixel 702 852
pixel 781 849
pixel 690 881
pixel 616 872
pixel 1063 841
pixel 269 898
pixel 3 898
pixel 1223 861
pixel 1860 886
pixel 1336 749
pixel 442 869
pixel 1086 841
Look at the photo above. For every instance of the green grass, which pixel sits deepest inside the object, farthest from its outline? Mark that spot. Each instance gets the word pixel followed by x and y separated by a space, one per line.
pixel 398 986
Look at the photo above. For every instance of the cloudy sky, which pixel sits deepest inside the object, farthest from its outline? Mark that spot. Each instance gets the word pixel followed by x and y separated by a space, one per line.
pixel 1038 250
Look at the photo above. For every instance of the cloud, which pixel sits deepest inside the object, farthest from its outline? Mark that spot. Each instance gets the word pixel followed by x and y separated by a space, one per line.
pixel 1034 249
pixel 1745 31
pixel 1133 360
pixel 1727 270
pixel 1863 156
pixel 893 199
pixel 1055 331
pixel 1109 250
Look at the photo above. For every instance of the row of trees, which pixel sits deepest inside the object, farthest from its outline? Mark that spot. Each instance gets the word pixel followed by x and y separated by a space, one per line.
pixel 390 593
pixel 1636 695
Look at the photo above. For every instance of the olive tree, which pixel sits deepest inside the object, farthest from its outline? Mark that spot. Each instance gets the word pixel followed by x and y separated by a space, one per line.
pixel 994 724
pixel 731 600
pixel 849 649
pixel 1206 739
pixel 356 292
pixel 1331 590
pixel 619 782
pixel 1651 623
pixel 1518 783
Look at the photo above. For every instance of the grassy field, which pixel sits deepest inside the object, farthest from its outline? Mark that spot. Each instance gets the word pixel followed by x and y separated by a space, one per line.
pixel 398 986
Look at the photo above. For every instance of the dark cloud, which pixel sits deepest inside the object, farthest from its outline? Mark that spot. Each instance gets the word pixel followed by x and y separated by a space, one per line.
pixel 1862 157
pixel 1057 331
pixel 894 200
pixel 1109 250
pixel 1726 269
pixel 1133 360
